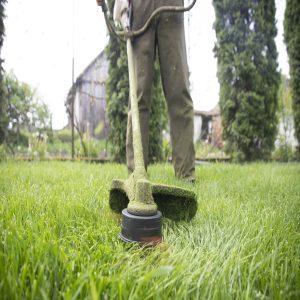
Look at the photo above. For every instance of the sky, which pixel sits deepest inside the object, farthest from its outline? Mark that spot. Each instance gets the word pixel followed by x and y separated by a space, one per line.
pixel 42 39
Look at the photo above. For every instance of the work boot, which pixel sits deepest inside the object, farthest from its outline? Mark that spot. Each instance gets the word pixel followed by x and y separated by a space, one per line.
pixel 190 180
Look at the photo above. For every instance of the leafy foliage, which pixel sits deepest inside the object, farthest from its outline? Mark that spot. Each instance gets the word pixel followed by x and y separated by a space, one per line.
pixel 38 145
pixel 3 101
pixel 23 110
pixel 248 77
pixel 158 119
pixel 292 40
pixel 117 95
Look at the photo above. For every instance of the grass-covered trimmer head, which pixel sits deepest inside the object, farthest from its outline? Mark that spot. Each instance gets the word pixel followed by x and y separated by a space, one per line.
pixel 143 204
pixel 174 203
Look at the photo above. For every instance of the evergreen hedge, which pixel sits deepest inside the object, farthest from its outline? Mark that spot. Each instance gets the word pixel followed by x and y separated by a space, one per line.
pixel 292 40
pixel 248 76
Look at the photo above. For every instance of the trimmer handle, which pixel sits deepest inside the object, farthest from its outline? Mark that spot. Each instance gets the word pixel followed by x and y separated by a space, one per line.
pixel 129 34
pixel 100 2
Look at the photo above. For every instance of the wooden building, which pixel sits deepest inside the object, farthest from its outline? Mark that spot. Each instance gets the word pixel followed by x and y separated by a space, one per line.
pixel 208 127
pixel 88 94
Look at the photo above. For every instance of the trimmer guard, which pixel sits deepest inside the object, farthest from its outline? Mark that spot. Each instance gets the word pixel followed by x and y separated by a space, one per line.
pixel 174 203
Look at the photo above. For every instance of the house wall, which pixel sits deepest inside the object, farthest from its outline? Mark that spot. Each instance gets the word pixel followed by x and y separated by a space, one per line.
pixel 197 128
pixel 208 128
pixel 90 96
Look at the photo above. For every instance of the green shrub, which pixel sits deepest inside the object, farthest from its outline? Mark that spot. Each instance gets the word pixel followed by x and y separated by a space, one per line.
pixel 3 153
pixel 57 147
pixel 167 150
pixel 283 153
pixel 99 129
pixel 38 145
pixel 93 147
pixel 65 135
pixel 204 150
pixel 20 138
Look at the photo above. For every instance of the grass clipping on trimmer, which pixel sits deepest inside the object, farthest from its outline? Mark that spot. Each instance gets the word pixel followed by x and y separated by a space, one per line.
pixel 174 203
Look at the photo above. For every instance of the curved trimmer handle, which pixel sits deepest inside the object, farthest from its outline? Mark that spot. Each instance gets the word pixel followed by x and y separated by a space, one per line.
pixel 100 2
pixel 176 9
pixel 130 34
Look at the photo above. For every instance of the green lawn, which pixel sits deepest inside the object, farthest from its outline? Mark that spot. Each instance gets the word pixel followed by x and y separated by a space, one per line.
pixel 59 237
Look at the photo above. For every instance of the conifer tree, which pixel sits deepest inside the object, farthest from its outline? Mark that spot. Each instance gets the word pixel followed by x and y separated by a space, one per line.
pixel 248 76
pixel 117 94
pixel 292 40
pixel 158 119
pixel 3 103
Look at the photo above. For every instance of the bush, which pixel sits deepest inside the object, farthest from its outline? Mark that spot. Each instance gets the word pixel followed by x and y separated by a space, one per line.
pixel 205 150
pixel 99 129
pixel 19 138
pixel 3 153
pixel 57 147
pixel 38 146
pixel 65 135
pixel 167 150
pixel 283 153
pixel 95 148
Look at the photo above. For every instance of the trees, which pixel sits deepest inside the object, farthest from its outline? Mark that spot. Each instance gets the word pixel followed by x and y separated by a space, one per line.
pixel 247 74
pixel 158 120
pixel 3 102
pixel 117 95
pixel 292 40
pixel 23 110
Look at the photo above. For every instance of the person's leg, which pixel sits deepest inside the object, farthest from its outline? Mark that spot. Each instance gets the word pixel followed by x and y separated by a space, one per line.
pixel 143 56
pixel 174 72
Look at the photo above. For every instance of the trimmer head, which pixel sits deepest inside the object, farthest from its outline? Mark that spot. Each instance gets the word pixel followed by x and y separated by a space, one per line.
pixel 174 203
pixel 145 230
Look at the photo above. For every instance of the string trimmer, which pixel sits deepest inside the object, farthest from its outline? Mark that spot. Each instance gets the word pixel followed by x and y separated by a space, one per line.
pixel 141 202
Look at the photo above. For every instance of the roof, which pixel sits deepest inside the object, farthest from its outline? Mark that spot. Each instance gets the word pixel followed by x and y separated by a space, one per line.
pixel 101 55
pixel 79 79
pixel 211 113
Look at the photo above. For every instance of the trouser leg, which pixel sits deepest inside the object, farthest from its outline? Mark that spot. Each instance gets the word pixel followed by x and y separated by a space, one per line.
pixel 143 56
pixel 174 72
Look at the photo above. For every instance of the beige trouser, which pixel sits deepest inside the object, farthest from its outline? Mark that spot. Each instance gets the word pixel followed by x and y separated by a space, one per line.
pixel 166 34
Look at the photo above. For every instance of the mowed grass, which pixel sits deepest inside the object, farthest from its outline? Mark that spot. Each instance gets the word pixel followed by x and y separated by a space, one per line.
pixel 59 239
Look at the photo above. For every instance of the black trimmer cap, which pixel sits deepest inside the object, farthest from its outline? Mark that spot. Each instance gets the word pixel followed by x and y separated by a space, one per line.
pixel 145 230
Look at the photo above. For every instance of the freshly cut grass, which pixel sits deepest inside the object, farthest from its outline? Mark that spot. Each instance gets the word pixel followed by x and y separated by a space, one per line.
pixel 59 238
